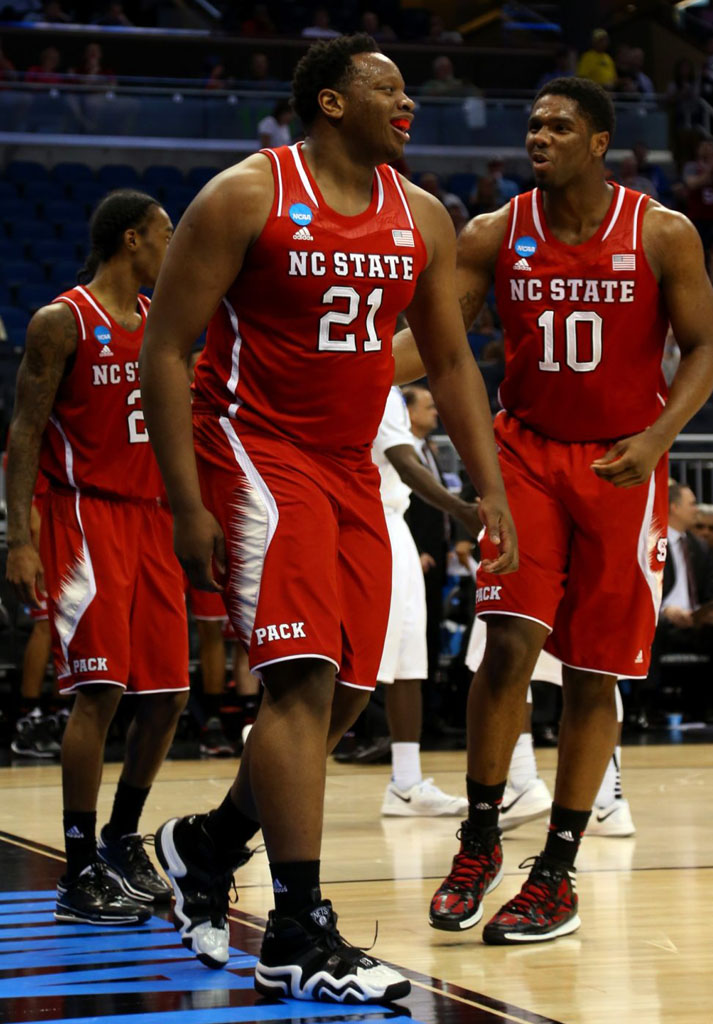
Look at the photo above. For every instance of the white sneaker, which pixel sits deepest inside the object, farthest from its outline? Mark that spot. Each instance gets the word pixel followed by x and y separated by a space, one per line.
pixel 534 801
pixel 422 800
pixel 614 820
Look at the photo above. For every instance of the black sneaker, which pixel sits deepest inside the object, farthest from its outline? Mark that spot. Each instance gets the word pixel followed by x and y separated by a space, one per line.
pixel 187 854
pixel 305 957
pixel 128 864
pixel 33 737
pixel 544 909
pixel 93 897
pixel 477 868
pixel 214 742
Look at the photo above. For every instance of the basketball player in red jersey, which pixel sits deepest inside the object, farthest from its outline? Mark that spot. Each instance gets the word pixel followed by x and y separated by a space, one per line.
pixel 587 276
pixel 301 258
pixel 114 587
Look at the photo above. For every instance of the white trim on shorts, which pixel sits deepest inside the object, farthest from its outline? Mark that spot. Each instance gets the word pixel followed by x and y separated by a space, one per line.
pixel 293 657
pixel 357 686
pixel 124 687
pixel 515 615
pixel 602 671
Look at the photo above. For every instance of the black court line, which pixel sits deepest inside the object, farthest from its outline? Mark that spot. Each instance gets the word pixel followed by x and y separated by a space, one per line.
pixel 143 975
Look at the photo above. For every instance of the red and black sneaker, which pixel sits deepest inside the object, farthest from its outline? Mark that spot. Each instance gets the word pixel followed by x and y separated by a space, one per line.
pixel 477 869
pixel 545 907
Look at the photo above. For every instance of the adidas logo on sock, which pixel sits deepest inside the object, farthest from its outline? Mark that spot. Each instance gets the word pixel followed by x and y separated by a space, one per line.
pixel 74 833
pixel 277 886
pixel 303 235
pixel 522 265
pixel 483 807
pixel 566 835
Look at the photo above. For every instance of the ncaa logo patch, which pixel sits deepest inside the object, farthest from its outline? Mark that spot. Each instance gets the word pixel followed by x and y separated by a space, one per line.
pixel 301 214
pixel 103 335
pixel 526 246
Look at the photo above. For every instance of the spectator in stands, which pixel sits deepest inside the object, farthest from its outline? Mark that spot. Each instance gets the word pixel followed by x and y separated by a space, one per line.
pixel 698 180
pixel 637 59
pixel 51 12
pixel 485 198
pixel 458 211
pixel 504 188
pixel 218 77
pixel 274 130
pixel 651 171
pixel 439 34
pixel 259 24
pixel 703 526
pixel 683 94
pixel 565 62
pixel 261 76
pixel 706 88
pixel 114 15
pixel 430 182
pixel 92 69
pixel 371 24
pixel 443 81
pixel 47 71
pixel 629 177
pixel 321 27
pixel 596 64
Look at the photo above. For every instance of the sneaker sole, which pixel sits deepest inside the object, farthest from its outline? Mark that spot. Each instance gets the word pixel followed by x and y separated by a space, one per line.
pixel 506 824
pixel 468 922
pixel 32 753
pixel 64 916
pixel 275 982
pixel 170 861
pixel 517 938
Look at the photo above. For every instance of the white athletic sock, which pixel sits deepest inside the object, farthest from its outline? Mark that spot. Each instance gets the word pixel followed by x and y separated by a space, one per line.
pixel 610 789
pixel 405 765
pixel 523 767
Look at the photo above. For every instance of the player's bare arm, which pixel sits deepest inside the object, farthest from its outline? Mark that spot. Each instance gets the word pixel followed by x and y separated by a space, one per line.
pixel 204 257
pixel 675 254
pixel 422 482
pixel 436 321
pixel 51 340
pixel 476 254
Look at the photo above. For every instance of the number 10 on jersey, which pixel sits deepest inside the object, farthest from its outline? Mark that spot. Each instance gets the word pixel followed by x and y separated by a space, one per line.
pixel 575 324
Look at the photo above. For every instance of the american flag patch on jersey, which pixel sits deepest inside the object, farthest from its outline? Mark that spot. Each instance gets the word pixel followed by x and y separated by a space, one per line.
pixel 403 238
pixel 624 261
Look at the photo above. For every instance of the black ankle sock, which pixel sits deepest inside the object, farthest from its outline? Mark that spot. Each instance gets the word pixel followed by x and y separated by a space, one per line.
pixel 128 804
pixel 484 803
pixel 565 834
pixel 212 703
pixel 295 885
pixel 79 840
pixel 230 830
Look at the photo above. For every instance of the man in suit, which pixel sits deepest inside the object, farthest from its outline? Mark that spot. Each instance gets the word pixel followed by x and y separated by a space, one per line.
pixel 685 626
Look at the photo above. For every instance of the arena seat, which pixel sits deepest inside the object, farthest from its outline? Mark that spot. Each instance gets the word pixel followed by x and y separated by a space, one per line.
pixel 32 296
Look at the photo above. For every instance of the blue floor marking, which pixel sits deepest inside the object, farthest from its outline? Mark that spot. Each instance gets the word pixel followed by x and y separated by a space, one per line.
pixel 289 1010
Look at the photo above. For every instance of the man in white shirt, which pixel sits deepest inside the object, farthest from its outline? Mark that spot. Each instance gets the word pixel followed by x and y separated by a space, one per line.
pixel 404 663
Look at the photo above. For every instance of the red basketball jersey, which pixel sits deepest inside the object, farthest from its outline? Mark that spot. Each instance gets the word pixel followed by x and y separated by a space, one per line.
pixel 584 325
pixel 96 439
pixel 300 346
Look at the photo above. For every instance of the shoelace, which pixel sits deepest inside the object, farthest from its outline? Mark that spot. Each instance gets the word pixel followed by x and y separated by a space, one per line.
pixel 466 862
pixel 533 892
pixel 336 943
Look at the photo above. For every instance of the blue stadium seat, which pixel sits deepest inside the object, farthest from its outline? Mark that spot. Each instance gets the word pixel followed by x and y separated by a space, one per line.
pixel 63 210
pixel 16 321
pixel 19 272
pixel 118 176
pixel 51 251
pixel 25 170
pixel 88 193
pixel 8 251
pixel 32 296
pixel 17 209
pixel 8 191
pixel 64 272
pixel 72 173
pixel 24 231
pixel 5 297
pixel 156 179
pixel 42 192
pixel 178 198
pixel 75 232
pixel 197 177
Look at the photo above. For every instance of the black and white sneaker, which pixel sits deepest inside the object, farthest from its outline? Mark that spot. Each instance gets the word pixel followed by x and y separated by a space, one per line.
pixel 93 897
pixel 128 864
pixel 305 957
pixel 214 742
pixel 187 855
pixel 34 737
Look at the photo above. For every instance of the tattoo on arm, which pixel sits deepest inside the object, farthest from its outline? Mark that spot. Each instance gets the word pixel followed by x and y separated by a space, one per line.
pixel 470 307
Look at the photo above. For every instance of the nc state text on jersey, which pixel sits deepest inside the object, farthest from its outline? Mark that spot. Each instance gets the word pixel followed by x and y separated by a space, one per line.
pixel 571 289
pixel 110 373
pixel 351 264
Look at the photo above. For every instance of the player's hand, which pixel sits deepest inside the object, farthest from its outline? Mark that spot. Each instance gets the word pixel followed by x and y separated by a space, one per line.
pixel 200 548
pixel 631 461
pixel 25 574
pixel 428 562
pixel 469 515
pixel 464 552
pixel 495 516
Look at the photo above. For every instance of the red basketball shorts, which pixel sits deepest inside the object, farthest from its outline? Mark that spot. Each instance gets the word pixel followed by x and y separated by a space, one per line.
pixel 309 560
pixel 591 555
pixel 115 594
pixel 205 605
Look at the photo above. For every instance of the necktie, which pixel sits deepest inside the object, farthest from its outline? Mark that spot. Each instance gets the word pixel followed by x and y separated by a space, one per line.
pixel 429 460
pixel 690 576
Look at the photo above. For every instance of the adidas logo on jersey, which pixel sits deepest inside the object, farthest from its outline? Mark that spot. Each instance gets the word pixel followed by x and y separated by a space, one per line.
pixel 106 351
pixel 522 265
pixel 639 659
pixel 303 235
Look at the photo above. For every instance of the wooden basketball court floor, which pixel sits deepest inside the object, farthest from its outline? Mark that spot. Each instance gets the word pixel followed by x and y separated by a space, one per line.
pixel 644 953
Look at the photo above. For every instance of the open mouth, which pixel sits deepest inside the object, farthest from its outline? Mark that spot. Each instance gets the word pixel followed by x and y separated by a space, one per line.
pixel 402 125
pixel 539 159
